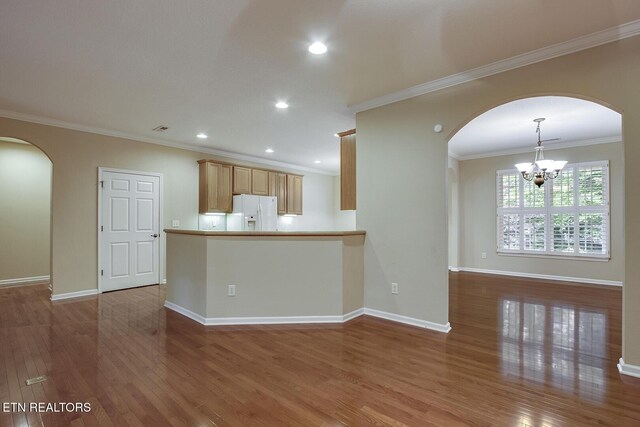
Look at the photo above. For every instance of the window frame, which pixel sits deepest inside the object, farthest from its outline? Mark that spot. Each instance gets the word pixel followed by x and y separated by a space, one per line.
pixel 548 211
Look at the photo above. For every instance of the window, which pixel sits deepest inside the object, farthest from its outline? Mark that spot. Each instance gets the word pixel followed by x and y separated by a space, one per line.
pixel 567 216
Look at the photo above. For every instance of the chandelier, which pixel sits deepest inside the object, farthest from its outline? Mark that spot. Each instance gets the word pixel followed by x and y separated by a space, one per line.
pixel 541 169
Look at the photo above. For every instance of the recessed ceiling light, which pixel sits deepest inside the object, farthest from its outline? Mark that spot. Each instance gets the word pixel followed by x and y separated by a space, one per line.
pixel 202 135
pixel 269 150
pixel 282 104
pixel 318 48
pixel 317 162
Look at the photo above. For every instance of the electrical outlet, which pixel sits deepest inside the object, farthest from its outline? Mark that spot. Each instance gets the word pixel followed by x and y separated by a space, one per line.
pixel 232 290
pixel 175 223
pixel 394 288
pixel 484 255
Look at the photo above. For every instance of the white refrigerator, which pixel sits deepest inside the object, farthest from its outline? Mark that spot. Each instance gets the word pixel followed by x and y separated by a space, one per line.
pixel 253 213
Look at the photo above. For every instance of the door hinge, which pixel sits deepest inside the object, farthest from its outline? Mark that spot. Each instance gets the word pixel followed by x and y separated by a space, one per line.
pixel 102 272
pixel 102 184
pixel 102 228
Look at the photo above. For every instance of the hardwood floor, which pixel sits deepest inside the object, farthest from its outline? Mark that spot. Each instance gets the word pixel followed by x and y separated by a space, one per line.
pixel 521 353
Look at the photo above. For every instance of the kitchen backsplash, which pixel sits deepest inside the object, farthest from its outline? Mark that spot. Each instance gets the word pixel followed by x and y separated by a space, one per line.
pixel 219 223
pixel 212 222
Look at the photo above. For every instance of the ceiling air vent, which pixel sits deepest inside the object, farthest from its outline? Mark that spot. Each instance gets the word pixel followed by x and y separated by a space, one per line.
pixel 160 128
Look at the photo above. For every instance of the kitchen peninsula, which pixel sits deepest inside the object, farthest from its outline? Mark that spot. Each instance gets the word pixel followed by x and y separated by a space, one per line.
pixel 225 278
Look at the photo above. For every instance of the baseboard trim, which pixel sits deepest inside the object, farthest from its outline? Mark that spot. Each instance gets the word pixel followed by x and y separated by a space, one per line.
pixel 163 282
pixel 275 320
pixel 454 269
pixel 542 276
pixel 188 313
pixel 69 295
pixel 439 327
pixel 284 320
pixel 352 315
pixel 271 320
pixel 24 281
pixel 626 369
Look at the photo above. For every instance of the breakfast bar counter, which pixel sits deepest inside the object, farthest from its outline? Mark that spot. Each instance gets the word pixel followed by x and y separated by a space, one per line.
pixel 225 278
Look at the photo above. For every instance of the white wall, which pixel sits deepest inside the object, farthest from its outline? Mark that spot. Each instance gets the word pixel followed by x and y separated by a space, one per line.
pixel 317 203
pixel 343 220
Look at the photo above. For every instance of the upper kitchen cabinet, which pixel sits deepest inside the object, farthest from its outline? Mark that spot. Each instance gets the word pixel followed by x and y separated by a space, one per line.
pixel 273 183
pixel 294 194
pixel 241 180
pixel 279 190
pixel 220 181
pixel 215 187
pixel 348 170
pixel 259 182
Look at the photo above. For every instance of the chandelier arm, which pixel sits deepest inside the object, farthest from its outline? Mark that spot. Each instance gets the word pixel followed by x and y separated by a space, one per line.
pixel 527 176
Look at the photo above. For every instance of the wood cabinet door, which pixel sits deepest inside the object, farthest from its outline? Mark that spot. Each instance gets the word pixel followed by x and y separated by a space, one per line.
pixel 281 193
pixel 212 187
pixel 241 180
pixel 215 188
pixel 225 198
pixel 273 184
pixel 348 172
pixel 294 194
pixel 259 182
pixel 203 189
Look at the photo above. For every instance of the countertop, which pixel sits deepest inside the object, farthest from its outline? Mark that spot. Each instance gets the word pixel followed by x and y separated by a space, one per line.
pixel 266 233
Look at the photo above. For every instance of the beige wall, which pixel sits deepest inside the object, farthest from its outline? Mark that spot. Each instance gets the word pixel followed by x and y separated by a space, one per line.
pixel 284 276
pixel 402 164
pixel 76 157
pixel 25 211
pixel 453 211
pixel 478 221
pixel 274 276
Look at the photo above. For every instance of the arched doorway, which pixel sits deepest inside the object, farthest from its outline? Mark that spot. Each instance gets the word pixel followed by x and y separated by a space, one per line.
pixel 582 132
pixel 25 213
pixel 530 238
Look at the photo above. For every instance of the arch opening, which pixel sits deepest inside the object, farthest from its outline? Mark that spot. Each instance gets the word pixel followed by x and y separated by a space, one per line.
pixel 26 175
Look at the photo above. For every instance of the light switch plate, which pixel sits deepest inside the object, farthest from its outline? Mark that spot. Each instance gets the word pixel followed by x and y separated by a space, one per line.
pixel 175 223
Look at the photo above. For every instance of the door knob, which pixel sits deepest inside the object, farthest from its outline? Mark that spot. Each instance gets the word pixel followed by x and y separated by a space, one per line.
pixel 154 235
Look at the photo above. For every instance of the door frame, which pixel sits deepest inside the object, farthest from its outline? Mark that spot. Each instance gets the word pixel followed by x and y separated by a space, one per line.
pixel 159 175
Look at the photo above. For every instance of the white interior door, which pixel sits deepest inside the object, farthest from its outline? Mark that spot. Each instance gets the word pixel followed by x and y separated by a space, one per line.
pixel 130 230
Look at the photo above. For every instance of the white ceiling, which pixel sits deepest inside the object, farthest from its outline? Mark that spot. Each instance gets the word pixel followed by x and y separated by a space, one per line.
pixel 510 127
pixel 218 66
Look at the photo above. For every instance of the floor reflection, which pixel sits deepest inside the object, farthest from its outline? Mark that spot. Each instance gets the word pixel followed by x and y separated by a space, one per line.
pixel 560 344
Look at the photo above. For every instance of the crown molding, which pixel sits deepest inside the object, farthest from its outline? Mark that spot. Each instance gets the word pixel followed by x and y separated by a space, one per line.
pixel 550 147
pixel 588 41
pixel 173 144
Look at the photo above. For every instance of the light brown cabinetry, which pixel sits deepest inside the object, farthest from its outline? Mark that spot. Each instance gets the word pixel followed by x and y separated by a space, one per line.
pixel 220 181
pixel 241 180
pixel 259 182
pixel 215 187
pixel 294 194
pixel 281 192
pixel 273 184
pixel 348 170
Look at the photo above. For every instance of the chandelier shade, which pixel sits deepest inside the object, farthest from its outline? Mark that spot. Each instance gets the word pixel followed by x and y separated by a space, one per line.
pixel 541 169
